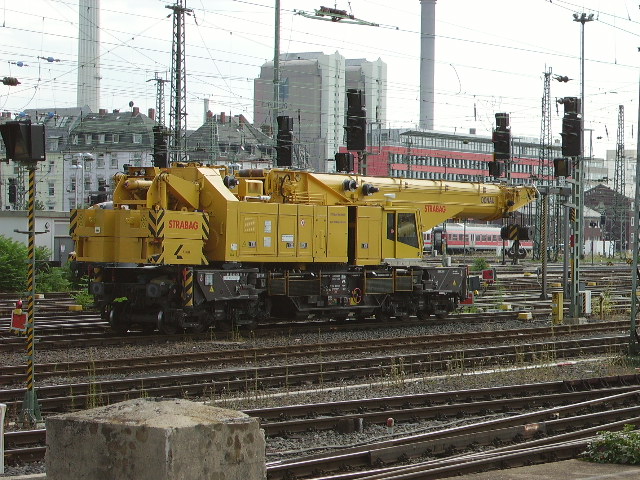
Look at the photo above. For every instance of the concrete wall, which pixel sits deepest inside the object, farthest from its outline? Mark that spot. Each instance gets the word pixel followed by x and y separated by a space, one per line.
pixel 57 238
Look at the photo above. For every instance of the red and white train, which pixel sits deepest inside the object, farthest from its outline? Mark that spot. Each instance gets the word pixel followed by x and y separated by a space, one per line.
pixel 471 237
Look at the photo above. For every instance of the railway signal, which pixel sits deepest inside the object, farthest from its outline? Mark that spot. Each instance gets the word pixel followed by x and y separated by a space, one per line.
pixel 160 147
pixel 561 167
pixel 18 319
pixel 356 121
pixel 25 143
pixel 284 141
pixel 571 127
pixel 13 190
pixel 501 139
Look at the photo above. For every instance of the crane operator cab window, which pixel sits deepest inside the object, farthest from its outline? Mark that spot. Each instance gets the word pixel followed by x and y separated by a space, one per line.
pixel 405 231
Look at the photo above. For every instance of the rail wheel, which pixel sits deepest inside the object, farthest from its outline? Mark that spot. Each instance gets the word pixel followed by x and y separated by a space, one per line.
pixel 117 322
pixel 201 327
pixel 166 324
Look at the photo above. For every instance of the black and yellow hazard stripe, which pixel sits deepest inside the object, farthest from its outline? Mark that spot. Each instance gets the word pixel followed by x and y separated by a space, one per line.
pixel 187 288
pixel 31 277
pixel 156 223
pixel 73 222
pixel 206 229
pixel 30 356
pixel 205 226
pixel 572 214
pixel 158 259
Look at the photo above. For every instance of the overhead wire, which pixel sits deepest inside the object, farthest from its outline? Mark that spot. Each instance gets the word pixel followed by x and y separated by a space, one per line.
pixel 399 87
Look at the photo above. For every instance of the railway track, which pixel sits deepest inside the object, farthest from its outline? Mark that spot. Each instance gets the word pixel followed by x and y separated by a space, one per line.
pixel 621 393
pixel 564 429
pixel 322 372
pixel 51 339
pixel 12 374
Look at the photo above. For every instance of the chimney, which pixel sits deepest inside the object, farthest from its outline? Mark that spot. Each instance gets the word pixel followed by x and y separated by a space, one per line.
pixel 152 113
pixel 427 61
pixel 88 80
pixel 135 112
pixel 206 110
pixel 223 118
pixel 209 115
pixel 241 120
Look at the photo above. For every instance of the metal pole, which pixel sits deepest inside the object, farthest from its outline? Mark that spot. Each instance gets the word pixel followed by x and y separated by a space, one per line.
pixel 543 241
pixel 76 187
pixel 578 186
pixel 634 348
pixel 565 252
pixel 276 69
pixel 30 407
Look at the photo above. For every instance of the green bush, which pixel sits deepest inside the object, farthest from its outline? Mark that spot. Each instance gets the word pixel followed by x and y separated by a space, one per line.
pixel 14 269
pixel 13 265
pixel 479 264
pixel 83 297
pixel 53 279
pixel 615 447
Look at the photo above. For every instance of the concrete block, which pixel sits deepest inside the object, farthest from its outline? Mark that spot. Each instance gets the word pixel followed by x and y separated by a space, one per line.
pixel 155 439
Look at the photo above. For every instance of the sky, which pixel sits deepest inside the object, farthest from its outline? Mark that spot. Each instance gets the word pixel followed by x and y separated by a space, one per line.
pixel 490 57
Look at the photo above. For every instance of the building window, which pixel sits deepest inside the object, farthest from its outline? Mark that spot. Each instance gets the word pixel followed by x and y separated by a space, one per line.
pixel 100 162
pixel 87 139
pixel 54 144
pixel 52 188
pixel 115 138
pixel 114 160
pixel 101 138
pixel 137 138
pixel 74 139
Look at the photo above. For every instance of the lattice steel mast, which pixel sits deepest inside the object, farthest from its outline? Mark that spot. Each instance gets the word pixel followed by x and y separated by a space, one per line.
pixel 619 207
pixel 544 158
pixel 178 113
pixel 159 97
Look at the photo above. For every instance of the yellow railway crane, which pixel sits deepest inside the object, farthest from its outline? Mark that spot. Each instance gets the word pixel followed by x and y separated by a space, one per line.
pixel 193 246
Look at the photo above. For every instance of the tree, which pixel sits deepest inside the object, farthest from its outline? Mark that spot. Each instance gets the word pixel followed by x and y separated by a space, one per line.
pixel 14 269
pixel 13 265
